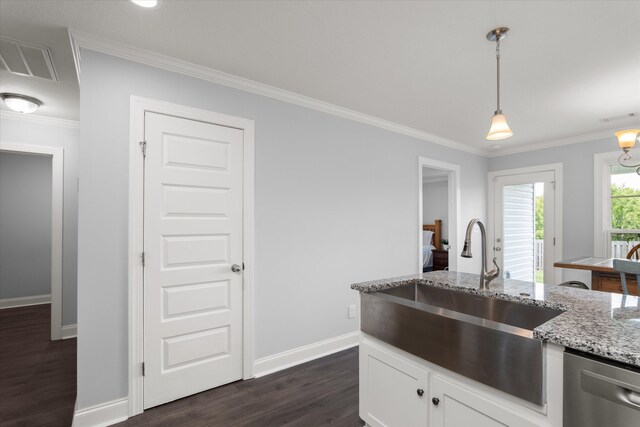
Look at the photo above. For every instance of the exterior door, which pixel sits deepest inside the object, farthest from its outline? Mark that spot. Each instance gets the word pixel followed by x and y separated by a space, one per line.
pixel 524 231
pixel 192 236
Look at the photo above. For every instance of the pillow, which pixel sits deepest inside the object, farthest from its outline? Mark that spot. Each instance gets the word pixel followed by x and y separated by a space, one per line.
pixel 426 237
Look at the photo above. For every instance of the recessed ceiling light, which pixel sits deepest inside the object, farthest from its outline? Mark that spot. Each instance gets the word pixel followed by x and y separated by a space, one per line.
pixel 21 103
pixel 146 3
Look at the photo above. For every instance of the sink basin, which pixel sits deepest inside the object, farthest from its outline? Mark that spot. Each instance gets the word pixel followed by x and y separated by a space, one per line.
pixel 506 312
pixel 486 339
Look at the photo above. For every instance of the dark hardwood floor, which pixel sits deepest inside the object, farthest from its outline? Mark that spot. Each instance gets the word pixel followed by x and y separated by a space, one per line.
pixel 38 386
pixel 317 393
pixel 37 376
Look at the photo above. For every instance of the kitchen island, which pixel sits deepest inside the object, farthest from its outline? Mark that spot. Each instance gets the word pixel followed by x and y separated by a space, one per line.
pixel 398 387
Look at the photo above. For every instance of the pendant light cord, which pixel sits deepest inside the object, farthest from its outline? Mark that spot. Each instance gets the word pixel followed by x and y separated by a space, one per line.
pixel 498 74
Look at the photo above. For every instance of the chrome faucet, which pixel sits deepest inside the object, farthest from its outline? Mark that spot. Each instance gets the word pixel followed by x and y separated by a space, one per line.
pixel 485 276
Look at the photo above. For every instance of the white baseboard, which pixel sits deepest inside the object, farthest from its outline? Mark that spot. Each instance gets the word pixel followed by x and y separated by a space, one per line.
pixel 69 331
pixel 102 415
pixel 25 301
pixel 277 362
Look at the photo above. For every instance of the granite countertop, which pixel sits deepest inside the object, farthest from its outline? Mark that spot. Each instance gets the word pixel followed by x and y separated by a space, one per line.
pixel 600 323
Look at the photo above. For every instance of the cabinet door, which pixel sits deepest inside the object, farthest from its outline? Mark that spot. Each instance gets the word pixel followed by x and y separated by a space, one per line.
pixel 459 407
pixel 393 392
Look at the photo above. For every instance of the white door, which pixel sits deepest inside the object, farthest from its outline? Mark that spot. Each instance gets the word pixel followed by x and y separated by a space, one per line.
pixel 524 231
pixel 192 237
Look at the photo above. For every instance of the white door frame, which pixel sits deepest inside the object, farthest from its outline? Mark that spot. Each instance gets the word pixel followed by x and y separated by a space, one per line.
pixel 557 169
pixel 453 186
pixel 136 236
pixel 57 206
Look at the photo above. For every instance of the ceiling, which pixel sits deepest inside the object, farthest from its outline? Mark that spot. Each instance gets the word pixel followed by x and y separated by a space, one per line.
pixel 423 64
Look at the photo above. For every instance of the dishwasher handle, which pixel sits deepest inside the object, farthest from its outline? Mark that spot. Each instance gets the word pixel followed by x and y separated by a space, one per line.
pixel 608 388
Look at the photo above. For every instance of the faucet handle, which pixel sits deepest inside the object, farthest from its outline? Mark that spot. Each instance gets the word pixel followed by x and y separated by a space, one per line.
pixel 491 275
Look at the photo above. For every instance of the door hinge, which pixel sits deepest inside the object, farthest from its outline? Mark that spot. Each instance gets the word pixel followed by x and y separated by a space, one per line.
pixel 554 184
pixel 554 241
pixel 143 371
pixel 142 258
pixel 243 266
pixel 143 148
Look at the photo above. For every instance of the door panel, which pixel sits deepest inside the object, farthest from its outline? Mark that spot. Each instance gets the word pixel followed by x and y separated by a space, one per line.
pixel 460 407
pixel 515 244
pixel 192 236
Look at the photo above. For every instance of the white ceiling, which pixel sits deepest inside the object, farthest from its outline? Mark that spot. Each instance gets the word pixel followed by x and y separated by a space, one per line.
pixel 422 64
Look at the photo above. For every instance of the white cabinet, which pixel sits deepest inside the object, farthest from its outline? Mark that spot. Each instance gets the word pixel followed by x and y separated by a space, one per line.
pixel 400 390
pixel 459 407
pixel 393 392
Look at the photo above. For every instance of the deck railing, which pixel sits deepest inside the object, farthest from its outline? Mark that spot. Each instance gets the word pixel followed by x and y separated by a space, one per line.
pixel 619 249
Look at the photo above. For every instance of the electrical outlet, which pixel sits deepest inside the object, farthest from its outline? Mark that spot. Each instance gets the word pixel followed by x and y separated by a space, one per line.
pixel 352 312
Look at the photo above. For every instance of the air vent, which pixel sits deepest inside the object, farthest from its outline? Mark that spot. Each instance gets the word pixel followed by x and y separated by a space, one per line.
pixel 621 117
pixel 26 59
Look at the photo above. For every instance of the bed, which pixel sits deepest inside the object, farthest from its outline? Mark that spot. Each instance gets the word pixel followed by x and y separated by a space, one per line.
pixel 431 239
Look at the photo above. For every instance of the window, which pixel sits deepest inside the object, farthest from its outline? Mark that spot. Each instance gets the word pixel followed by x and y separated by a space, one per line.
pixel 622 209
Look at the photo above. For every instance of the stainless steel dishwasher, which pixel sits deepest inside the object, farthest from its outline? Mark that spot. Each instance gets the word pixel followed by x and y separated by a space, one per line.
pixel 598 392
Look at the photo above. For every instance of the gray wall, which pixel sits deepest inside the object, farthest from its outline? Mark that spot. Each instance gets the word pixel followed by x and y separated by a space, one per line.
pixel 24 132
pixel 25 225
pixel 435 204
pixel 578 203
pixel 336 203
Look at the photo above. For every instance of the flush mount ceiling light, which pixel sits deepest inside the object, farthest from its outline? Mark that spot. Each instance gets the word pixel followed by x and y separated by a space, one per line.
pixel 626 140
pixel 146 3
pixel 20 103
pixel 499 127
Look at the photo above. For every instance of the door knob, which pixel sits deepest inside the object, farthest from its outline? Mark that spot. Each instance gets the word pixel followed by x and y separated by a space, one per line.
pixel 236 268
pixel 420 392
pixel 435 401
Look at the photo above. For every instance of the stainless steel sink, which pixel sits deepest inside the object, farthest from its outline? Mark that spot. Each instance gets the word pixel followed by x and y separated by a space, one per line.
pixel 486 339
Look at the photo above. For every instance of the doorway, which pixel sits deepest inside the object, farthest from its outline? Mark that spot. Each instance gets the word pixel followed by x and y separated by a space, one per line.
pixel 438 214
pixel 191 252
pixel 525 208
pixel 54 158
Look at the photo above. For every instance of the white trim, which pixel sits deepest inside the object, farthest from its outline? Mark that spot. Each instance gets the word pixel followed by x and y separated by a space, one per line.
pixel 601 204
pixel 57 213
pixel 287 359
pixel 69 331
pixel 41 120
pixel 559 215
pixel 81 40
pixel 25 301
pixel 454 221
pixel 136 186
pixel 104 414
pixel 594 136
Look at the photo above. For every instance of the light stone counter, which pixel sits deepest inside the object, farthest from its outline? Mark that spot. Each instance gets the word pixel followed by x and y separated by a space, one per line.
pixel 600 323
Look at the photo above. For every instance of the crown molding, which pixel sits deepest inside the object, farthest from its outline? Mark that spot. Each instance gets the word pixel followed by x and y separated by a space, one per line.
pixel 81 40
pixel 41 120
pixel 560 142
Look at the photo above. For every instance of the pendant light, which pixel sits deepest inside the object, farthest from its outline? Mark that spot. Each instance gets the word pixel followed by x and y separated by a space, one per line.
pixel 627 140
pixel 499 127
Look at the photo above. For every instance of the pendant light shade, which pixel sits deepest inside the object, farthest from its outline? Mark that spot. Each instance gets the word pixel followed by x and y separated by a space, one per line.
pixel 627 138
pixel 499 128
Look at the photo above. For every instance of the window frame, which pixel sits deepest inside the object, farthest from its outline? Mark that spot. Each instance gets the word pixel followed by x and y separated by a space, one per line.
pixel 602 204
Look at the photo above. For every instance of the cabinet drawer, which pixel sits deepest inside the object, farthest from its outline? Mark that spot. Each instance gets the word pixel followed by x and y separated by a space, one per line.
pixel 612 284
